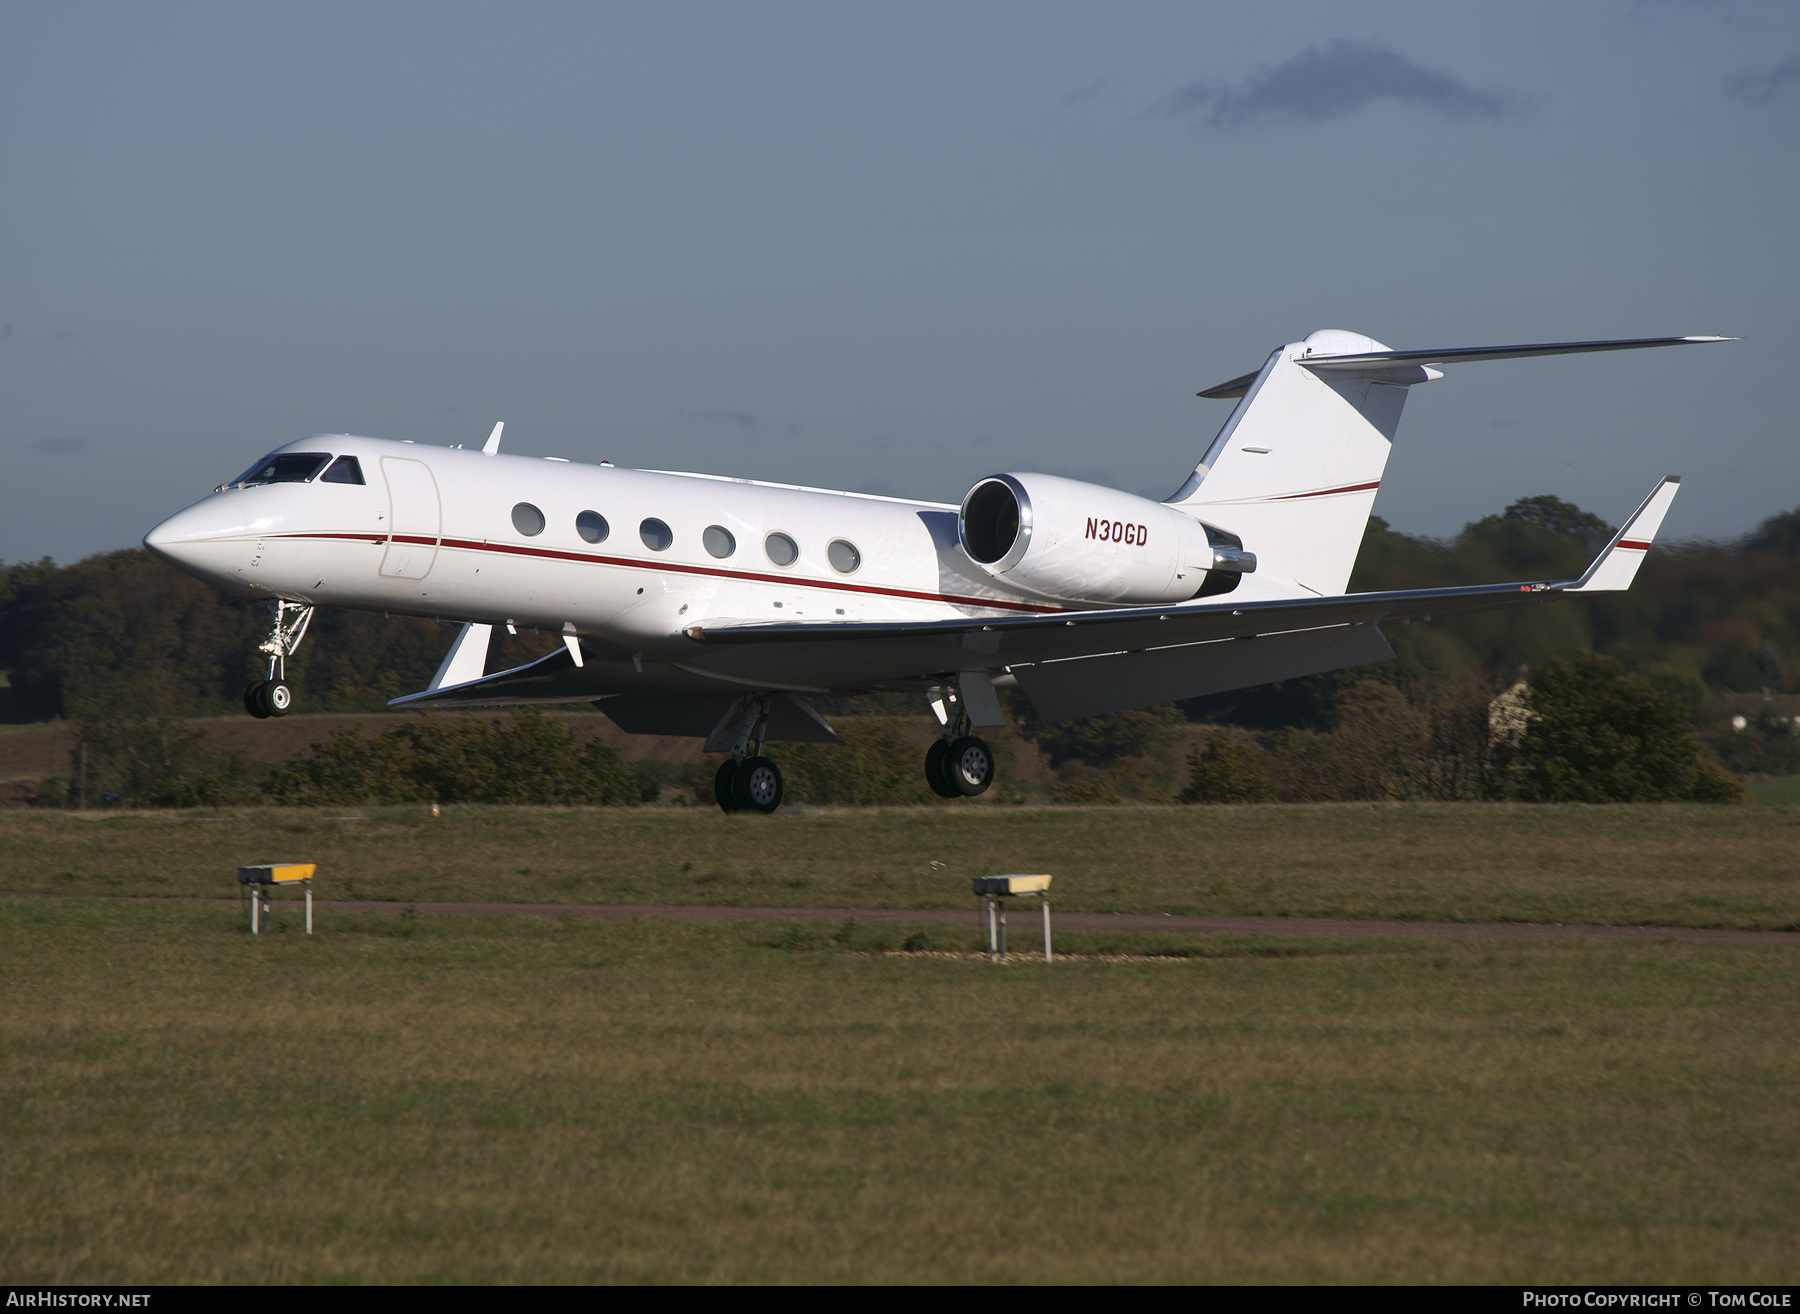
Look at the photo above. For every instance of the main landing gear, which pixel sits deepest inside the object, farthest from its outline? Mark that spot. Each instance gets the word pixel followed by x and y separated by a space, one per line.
pixel 747 781
pixel 274 696
pixel 958 764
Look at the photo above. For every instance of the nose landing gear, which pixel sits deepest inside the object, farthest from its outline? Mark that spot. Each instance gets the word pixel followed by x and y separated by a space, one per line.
pixel 275 696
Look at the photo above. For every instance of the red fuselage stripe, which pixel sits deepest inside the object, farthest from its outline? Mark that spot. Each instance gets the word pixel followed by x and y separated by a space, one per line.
pixel 1327 492
pixel 674 567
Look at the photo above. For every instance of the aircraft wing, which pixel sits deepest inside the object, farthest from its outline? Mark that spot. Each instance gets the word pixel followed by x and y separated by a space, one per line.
pixel 1081 664
pixel 1070 664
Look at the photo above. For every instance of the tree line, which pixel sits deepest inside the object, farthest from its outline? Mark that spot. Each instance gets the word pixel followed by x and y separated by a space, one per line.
pixel 131 649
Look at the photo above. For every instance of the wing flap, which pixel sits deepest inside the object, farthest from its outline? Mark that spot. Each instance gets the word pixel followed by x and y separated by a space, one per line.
pixel 1089 686
pixel 900 650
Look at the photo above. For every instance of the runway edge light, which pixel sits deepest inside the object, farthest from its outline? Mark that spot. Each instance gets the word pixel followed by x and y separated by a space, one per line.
pixel 277 873
pixel 258 878
pixel 1006 885
pixel 994 890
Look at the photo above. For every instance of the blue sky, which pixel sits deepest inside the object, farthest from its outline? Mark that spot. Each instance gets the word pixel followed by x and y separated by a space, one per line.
pixel 889 248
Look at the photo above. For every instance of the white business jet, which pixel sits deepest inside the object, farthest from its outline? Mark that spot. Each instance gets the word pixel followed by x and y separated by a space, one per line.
pixel 712 607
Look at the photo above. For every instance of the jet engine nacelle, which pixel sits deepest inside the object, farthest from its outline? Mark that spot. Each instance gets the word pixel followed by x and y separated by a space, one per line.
pixel 1073 542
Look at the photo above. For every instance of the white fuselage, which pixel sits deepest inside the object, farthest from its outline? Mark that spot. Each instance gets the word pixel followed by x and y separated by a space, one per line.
pixel 431 532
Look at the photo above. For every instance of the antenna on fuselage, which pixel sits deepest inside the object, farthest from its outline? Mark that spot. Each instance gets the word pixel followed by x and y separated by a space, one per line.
pixel 492 445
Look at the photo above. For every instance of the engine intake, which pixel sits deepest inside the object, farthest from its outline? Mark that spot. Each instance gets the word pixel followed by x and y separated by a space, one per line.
pixel 996 522
pixel 1074 542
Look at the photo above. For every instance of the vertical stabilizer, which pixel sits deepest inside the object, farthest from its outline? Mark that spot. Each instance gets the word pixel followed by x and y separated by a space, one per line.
pixel 1295 470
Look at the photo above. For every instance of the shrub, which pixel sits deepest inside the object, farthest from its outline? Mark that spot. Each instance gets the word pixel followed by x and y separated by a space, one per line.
pixel 469 760
pixel 1098 741
pixel 1600 735
pixel 1767 745
pixel 876 763
pixel 1086 792
pixel 1223 772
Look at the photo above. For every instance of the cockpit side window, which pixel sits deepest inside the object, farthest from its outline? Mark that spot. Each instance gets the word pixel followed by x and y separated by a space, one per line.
pixel 344 470
pixel 285 468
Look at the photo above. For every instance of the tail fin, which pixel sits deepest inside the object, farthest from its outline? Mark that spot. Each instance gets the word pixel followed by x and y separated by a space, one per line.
pixel 1294 471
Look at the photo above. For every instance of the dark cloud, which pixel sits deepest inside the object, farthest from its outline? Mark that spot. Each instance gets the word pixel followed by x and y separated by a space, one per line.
pixel 60 446
pixel 1759 88
pixel 739 419
pixel 1080 94
pixel 1334 81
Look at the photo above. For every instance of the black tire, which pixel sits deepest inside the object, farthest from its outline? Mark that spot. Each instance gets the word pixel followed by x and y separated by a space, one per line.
pixel 969 765
pixel 935 775
pixel 253 700
pixel 278 697
pixel 722 785
pixel 756 787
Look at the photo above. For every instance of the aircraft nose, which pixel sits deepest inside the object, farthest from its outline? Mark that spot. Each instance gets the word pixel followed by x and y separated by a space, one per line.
pixel 196 540
pixel 183 530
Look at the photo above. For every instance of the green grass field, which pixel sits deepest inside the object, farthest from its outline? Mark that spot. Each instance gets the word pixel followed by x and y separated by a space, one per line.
pixel 1776 791
pixel 426 1099
pixel 1655 865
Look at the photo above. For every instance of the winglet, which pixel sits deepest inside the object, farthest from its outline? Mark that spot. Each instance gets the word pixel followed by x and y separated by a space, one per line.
pixel 1615 568
pixel 492 445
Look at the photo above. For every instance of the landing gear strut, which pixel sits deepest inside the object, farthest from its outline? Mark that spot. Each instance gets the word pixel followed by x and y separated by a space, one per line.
pixel 958 764
pixel 747 781
pixel 274 696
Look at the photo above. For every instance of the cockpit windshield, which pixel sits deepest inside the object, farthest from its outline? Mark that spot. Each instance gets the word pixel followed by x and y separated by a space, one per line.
pixel 283 468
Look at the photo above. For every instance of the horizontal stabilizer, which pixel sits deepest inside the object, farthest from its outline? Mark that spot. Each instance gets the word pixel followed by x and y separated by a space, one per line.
pixel 1366 361
pixel 1457 355
pixel 1615 568
pixel 1235 388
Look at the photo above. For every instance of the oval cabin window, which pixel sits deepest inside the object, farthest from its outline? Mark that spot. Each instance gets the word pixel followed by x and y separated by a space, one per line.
pixel 528 520
pixel 843 556
pixel 656 535
pixel 719 541
pixel 782 550
pixel 592 526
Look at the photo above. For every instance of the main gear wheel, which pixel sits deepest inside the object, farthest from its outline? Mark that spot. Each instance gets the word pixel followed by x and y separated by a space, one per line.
pixel 756 785
pixel 935 775
pixel 969 766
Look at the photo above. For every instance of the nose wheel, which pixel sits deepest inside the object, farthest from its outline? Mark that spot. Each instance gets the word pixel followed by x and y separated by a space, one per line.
pixel 275 696
pixel 269 698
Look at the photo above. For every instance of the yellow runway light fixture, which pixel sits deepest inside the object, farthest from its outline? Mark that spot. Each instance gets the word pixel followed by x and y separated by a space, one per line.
pixel 995 890
pixel 258 880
